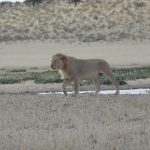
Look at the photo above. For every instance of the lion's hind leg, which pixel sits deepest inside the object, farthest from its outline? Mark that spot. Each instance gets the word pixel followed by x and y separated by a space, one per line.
pixel 110 76
pixel 97 83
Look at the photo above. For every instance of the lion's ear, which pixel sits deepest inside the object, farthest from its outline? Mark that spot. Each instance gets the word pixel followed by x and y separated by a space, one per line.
pixel 63 58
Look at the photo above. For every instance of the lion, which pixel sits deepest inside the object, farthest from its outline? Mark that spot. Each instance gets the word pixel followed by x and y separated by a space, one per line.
pixel 73 70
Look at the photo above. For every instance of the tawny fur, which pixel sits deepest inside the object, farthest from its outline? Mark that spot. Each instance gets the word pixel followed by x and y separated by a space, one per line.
pixel 74 70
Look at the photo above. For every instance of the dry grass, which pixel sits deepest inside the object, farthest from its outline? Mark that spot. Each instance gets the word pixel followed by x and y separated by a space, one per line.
pixel 90 21
pixel 29 121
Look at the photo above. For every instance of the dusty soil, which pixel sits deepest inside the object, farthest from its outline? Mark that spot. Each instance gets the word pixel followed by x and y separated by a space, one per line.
pixel 29 121
pixel 30 87
pixel 37 54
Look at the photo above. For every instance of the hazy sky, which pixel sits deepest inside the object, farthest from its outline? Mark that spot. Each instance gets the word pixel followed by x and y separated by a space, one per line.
pixel 12 0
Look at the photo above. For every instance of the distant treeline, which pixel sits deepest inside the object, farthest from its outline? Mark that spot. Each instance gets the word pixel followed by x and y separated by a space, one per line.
pixel 48 1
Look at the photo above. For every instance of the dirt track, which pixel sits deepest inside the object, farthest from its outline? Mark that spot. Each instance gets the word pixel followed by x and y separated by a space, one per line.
pixel 38 54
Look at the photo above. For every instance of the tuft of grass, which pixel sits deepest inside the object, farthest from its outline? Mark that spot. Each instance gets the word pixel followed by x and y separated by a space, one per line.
pixel 18 70
pixel 121 80
pixel 2 69
pixel 46 81
pixel 9 81
pixel 34 68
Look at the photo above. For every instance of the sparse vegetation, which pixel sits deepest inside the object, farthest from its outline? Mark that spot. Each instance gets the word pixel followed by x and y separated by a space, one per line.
pixel 33 2
pixel 139 4
pixel 122 75
pixel 34 68
pixel 90 21
pixel 9 81
pixel 18 70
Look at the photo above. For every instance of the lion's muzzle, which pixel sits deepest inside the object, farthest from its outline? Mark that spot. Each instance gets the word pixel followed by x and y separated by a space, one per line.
pixel 53 67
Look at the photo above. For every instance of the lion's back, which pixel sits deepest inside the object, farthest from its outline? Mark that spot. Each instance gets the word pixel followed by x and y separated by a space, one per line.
pixel 88 68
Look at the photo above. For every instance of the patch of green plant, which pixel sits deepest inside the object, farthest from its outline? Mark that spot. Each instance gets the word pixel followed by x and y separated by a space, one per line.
pixel 133 73
pixel 46 81
pixel 33 2
pixel 104 80
pixel 120 80
pixel 18 70
pixel 139 4
pixel 9 81
pixel 34 68
pixel 122 75
pixel 2 69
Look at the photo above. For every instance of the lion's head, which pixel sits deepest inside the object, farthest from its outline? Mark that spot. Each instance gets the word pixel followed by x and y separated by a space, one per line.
pixel 58 61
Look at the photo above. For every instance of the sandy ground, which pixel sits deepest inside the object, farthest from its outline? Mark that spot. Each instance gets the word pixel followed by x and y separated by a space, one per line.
pixel 38 54
pixel 55 122
pixel 29 121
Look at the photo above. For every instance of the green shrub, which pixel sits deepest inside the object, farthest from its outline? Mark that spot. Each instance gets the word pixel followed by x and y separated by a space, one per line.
pixel 33 1
pixel 139 4
pixel 9 81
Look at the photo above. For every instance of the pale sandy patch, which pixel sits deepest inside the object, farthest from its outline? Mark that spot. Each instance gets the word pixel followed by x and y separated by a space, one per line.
pixel 38 54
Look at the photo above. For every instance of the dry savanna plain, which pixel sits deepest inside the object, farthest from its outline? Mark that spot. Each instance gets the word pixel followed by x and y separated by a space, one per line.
pixel 113 30
pixel 55 122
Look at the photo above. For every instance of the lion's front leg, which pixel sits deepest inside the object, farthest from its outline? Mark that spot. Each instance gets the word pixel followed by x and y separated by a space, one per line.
pixel 97 85
pixel 76 87
pixel 65 84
